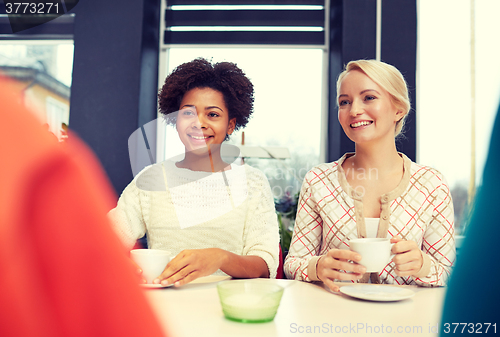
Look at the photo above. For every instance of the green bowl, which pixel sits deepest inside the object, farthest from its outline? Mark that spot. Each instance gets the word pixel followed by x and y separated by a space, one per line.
pixel 249 301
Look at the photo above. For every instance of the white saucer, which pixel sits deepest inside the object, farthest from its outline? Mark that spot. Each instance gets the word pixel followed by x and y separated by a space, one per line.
pixel 149 285
pixel 376 292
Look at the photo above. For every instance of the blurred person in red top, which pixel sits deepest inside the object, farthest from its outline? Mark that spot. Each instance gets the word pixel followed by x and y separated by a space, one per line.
pixel 64 272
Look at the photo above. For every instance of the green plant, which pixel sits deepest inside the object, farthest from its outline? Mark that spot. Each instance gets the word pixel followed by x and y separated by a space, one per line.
pixel 286 209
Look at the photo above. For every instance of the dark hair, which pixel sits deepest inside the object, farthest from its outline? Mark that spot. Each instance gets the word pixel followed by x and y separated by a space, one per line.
pixel 224 77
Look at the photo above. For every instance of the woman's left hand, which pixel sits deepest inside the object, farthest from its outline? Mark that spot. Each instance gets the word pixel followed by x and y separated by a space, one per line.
pixel 189 265
pixel 408 257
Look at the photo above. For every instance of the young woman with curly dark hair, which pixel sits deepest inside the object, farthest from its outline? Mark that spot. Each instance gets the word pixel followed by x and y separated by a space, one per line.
pixel 214 217
pixel 224 77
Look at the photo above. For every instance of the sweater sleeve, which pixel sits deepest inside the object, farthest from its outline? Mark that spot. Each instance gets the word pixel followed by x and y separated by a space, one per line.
pixel 261 232
pixel 307 237
pixel 439 240
pixel 127 217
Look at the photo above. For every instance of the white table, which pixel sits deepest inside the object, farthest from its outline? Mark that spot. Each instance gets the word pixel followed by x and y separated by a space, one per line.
pixel 306 310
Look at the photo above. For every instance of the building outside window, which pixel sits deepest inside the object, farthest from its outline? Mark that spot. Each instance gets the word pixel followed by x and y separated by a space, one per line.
pixel 42 70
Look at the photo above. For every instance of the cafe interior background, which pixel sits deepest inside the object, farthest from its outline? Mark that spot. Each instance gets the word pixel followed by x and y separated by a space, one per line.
pixel 97 69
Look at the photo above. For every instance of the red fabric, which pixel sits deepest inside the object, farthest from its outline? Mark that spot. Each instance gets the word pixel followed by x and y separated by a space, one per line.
pixel 63 270
pixel 279 273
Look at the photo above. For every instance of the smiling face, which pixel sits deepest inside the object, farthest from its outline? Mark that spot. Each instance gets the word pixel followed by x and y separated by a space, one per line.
pixel 203 119
pixel 366 111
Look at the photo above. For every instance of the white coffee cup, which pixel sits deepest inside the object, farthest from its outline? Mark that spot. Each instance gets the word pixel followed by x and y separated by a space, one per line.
pixel 151 261
pixel 375 252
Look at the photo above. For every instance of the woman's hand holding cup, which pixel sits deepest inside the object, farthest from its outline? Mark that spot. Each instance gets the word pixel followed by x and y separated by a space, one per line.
pixel 378 252
pixel 408 259
pixel 329 266
pixel 191 264
pixel 149 262
pixel 375 252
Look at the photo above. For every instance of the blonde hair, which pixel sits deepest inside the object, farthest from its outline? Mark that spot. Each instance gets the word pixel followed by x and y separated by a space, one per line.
pixel 388 78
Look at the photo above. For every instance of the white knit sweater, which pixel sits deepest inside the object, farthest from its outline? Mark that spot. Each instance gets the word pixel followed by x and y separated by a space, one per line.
pixel 183 209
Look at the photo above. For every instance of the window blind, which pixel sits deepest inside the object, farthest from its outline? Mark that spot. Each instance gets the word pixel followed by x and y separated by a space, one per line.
pixel 245 22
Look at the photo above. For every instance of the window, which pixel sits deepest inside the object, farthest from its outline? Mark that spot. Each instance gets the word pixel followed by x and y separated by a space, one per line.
pixel 288 109
pixel 42 69
pixel 283 49
pixel 39 59
pixel 458 92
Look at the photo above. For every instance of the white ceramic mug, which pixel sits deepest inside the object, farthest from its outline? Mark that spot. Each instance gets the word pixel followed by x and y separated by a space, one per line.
pixel 375 252
pixel 151 261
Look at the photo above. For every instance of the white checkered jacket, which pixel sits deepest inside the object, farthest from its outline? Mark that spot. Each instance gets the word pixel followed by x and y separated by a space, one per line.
pixel 330 213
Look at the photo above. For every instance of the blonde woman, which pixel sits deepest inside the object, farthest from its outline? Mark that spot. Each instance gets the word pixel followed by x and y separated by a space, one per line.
pixel 374 192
